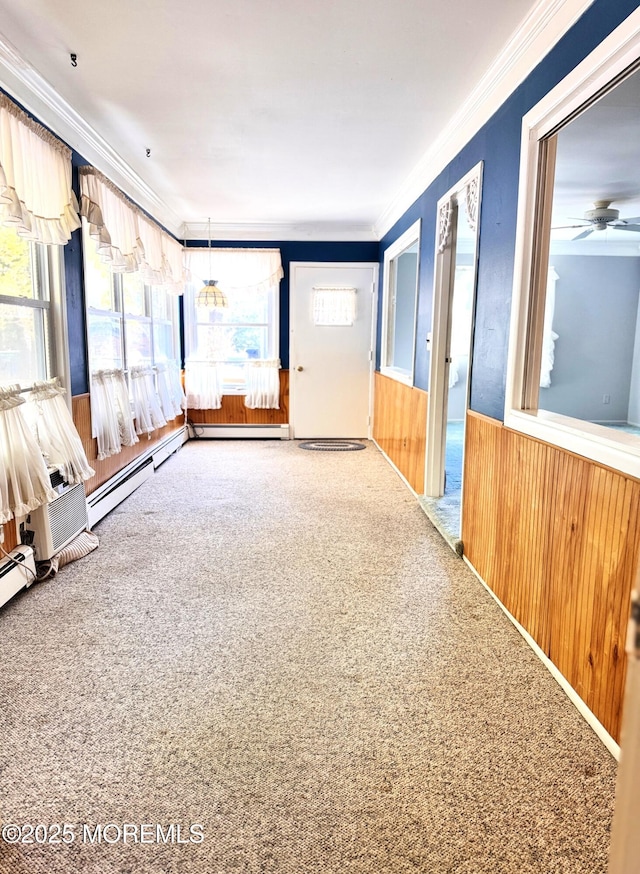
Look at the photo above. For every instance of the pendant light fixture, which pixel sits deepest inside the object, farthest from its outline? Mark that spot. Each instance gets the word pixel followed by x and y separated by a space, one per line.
pixel 210 295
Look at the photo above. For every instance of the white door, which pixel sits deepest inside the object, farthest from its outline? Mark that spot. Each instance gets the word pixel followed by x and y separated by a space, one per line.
pixel 331 366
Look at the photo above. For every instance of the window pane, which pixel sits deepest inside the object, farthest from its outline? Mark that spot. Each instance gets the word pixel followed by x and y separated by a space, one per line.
pixel 589 335
pixel 160 304
pixel 133 294
pixel 15 265
pixel 105 341
pixel 250 307
pixel 24 343
pixel 138 341
pixel 163 341
pixel 97 276
pixel 225 343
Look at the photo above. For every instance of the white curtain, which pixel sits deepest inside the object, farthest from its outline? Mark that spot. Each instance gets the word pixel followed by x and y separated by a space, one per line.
pixel 203 385
pixel 126 238
pixel 35 179
pixel 334 306
pixel 549 336
pixel 111 417
pixel 172 399
pixel 24 480
pixel 235 268
pixel 57 437
pixel 146 404
pixel 262 385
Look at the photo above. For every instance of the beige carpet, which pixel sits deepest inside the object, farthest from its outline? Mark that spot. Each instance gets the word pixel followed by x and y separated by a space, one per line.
pixel 277 645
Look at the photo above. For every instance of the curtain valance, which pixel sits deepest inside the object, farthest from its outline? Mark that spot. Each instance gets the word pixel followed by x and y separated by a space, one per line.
pixel 235 268
pixel 35 179
pixel 126 238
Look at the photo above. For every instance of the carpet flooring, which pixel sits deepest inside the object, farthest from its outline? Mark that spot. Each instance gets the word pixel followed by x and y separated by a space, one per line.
pixel 276 645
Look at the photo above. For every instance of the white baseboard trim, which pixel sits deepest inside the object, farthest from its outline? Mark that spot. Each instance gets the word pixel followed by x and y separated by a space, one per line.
pixel 111 493
pixel 562 681
pixel 246 432
pixel 14 577
pixel 397 470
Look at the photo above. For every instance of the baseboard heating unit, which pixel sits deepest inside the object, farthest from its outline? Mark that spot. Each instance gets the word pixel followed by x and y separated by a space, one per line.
pixel 107 496
pixel 57 523
pixel 246 432
pixel 14 577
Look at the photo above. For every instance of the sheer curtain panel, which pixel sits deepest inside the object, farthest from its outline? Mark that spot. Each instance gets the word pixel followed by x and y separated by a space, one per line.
pixel 203 385
pixel 262 385
pixel 111 417
pixel 235 268
pixel 170 392
pixel 126 238
pixel 24 480
pixel 147 411
pixel 56 433
pixel 35 179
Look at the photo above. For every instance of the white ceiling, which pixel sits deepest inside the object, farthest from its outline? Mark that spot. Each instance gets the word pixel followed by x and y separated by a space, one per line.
pixel 290 113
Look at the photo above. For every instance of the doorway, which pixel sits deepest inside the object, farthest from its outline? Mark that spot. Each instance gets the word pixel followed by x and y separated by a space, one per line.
pixel 451 345
pixel 332 349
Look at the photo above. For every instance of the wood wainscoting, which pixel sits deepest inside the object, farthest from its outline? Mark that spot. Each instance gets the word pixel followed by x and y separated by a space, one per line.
pixel 400 427
pixel 81 409
pixel 234 412
pixel 10 537
pixel 556 537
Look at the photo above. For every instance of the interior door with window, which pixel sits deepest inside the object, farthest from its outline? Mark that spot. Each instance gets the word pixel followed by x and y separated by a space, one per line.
pixel 332 349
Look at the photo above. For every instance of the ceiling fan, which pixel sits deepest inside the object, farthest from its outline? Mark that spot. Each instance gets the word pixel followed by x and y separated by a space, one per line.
pixel 600 218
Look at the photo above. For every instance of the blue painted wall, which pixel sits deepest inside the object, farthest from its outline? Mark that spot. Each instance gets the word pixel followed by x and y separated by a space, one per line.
pixel 300 251
pixel 497 144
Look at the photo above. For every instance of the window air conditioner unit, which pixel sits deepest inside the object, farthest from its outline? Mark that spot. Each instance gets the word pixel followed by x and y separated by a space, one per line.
pixel 54 525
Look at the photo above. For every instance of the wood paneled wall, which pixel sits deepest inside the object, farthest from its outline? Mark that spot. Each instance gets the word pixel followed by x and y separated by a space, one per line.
pixel 234 412
pixel 556 537
pixel 81 409
pixel 10 537
pixel 400 427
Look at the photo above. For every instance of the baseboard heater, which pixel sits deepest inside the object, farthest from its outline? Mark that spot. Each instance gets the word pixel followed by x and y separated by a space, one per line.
pixel 107 496
pixel 14 577
pixel 234 432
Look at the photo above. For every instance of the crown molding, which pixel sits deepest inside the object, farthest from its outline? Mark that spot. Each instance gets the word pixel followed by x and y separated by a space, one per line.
pixel 23 82
pixel 545 24
pixel 332 232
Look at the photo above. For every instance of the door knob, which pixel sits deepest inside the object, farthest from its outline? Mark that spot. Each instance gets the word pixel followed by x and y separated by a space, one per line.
pixel 299 367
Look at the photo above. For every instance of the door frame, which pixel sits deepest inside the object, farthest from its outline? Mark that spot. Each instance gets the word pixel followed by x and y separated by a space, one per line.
pixel 293 266
pixel 469 187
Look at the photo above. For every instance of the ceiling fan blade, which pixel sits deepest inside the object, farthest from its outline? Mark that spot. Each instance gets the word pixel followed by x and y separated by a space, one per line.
pixel 583 235
pixel 627 227
pixel 630 221
pixel 565 227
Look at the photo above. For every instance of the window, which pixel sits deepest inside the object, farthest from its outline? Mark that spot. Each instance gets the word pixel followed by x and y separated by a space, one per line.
pixel 574 357
pixel 32 339
pixel 128 323
pixel 400 296
pixel 245 330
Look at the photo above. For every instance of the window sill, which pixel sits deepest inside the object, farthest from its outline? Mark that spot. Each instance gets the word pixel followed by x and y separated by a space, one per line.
pixel 397 374
pixel 617 450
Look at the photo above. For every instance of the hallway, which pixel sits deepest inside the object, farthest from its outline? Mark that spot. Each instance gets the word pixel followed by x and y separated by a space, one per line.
pixel 277 645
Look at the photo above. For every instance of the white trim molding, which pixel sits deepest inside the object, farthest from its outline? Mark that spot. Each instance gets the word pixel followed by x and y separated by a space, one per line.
pixel 609 60
pixel 543 27
pixel 333 232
